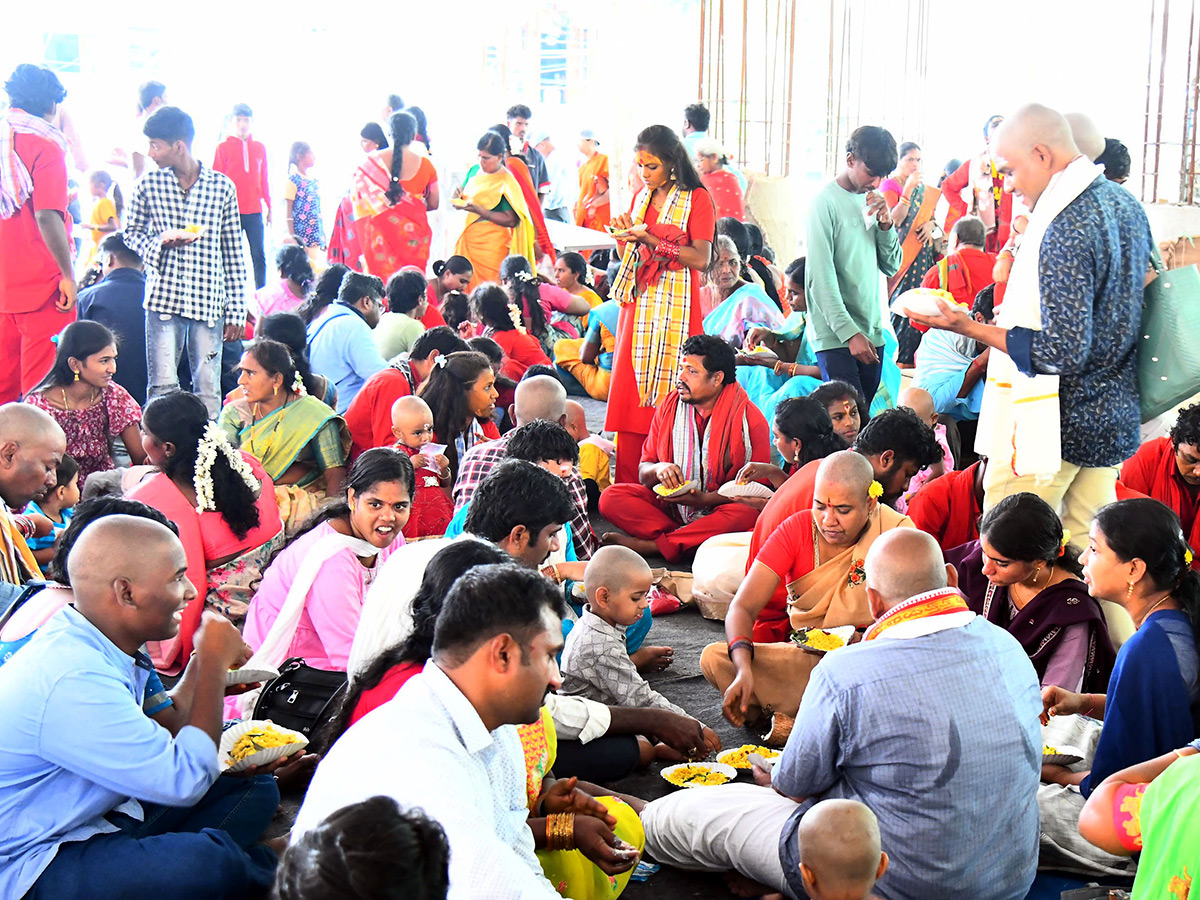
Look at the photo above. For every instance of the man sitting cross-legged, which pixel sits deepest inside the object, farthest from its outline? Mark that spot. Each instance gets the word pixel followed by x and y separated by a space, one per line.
pixel 922 721
pixel 99 801
pixel 704 432
pixel 818 555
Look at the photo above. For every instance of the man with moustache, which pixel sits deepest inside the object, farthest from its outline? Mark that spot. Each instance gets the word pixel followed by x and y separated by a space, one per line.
pixel 101 802
pixel 702 434
pixel 31 446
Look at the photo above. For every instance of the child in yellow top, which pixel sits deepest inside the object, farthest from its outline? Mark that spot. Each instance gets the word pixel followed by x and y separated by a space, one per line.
pixel 106 210
pixel 595 454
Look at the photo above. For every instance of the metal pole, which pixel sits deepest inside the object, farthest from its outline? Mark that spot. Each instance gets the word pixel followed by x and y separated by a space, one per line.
pixel 700 74
pixel 1195 111
pixel 791 74
pixel 1149 86
pixel 1162 86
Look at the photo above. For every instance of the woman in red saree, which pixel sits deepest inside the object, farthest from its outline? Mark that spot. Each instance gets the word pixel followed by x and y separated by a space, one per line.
pixel 667 239
pixel 719 181
pixel 381 228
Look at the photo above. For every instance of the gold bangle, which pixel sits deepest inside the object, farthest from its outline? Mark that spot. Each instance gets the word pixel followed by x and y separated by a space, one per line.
pixel 560 831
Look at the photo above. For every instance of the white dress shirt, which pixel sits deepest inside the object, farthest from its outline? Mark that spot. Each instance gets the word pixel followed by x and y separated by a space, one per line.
pixel 427 748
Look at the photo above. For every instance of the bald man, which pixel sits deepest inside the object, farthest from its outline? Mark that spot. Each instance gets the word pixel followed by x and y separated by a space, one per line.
pixel 31 445
pixel 100 774
pixel 1088 137
pixel 817 555
pixel 540 398
pixel 840 853
pixel 1062 389
pixel 931 721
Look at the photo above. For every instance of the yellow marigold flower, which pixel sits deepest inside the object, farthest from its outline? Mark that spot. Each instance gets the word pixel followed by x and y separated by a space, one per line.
pixel 875 491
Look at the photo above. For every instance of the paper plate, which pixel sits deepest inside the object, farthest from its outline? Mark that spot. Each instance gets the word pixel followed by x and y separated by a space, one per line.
pixel 1062 756
pixel 262 757
pixel 247 675
pixel 691 485
pixel 729 771
pixel 738 756
pixel 801 637
pixel 735 489
pixel 762 351
pixel 921 301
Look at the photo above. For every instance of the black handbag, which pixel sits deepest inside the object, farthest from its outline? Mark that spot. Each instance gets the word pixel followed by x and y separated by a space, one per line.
pixel 301 698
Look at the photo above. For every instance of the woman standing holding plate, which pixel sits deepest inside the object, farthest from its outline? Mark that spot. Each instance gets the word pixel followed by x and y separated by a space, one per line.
pixel 667 240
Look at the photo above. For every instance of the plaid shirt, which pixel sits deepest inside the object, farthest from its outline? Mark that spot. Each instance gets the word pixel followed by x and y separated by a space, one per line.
pixel 206 279
pixel 479 460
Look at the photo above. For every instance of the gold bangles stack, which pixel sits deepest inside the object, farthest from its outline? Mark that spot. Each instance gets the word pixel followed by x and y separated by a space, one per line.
pixel 560 831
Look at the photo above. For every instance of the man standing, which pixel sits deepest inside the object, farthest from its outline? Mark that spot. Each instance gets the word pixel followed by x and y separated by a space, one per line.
pixel 563 178
pixel 695 127
pixel 848 246
pixel 31 446
pixel 340 344
pixel 702 435
pixel 970 700
pixel 518 117
pixel 183 222
pixel 1060 410
pixel 244 161
pixel 37 280
pixel 117 302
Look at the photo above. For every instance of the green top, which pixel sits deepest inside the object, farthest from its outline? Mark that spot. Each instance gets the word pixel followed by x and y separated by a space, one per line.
pixel 841 278
pixel 1172 847
pixel 502 206
pixel 396 333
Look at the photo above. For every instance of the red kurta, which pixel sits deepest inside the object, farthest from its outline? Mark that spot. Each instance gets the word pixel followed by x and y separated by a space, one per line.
pixel 1152 471
pixel 794 495
pixel 947 508
pixel 788 552
pixel 520 352
pixel 952 189
pixel 726 194
pixel 433 316
pixel 625 415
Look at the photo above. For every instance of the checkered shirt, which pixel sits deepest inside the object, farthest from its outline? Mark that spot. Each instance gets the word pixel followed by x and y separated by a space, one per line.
pixel 206 279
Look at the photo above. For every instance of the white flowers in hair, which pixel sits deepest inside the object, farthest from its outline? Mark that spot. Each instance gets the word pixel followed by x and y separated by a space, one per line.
pixel 441 361
pixel 526 277
pixel 515 315
pixel 298 386
pixel 211 441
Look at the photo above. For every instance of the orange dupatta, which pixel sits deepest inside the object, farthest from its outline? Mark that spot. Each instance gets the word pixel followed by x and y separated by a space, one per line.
pixel 589 173
pixel 910 246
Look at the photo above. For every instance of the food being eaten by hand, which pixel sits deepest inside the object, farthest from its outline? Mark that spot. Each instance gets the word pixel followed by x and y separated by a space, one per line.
pixel 695 776
pixel 663 491
pixel 739 757
pixel 822 640
pixel 257 739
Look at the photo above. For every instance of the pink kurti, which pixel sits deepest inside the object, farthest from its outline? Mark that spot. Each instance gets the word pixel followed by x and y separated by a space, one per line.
pixel 331 609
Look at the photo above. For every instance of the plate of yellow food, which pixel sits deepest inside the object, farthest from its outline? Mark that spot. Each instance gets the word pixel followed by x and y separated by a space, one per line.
pixel 822 640
pixel 762 351
pixel 193 228
pixel 460 202
pixel 922 302
pixel 250 675
pixel 256 743
pixel 1061 755
pixel 739 757
pixel 736 489
pixel 690 485
pixel 699 774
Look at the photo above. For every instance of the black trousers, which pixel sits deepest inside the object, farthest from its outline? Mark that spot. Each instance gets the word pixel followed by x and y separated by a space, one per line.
pixel 252 225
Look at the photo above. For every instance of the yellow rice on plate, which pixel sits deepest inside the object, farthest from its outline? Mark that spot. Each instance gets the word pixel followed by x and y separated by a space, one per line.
pixel 739 757
pixel 258 739
pixel 695 776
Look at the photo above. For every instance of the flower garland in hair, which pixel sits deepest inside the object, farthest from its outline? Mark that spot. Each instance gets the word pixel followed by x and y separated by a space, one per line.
pixel 1066 539
pixel 298 385
pixel 211 441
pixel 515 315
pixel 527 277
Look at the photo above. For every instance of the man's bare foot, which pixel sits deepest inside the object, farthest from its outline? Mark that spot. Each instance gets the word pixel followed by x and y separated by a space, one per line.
pixel 741 886
pixel 637 545
pixel 652 659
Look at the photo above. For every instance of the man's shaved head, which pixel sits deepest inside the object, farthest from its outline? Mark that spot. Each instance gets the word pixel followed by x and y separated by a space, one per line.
pixel 840 847
pixel 1087 136
pixel 1032 146
pixel 613 568
pixel 902 563
pixel 129 578
pixel 919 401
pixel 31 445
pixel 846 468
pixel 540 397
pixel 576 420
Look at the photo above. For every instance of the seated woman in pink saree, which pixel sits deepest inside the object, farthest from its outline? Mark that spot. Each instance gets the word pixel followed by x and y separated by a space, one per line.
pixel 380 228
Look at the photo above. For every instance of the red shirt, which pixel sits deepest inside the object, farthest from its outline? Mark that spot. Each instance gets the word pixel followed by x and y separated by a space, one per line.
pixel 29 276
pixel 1152 471
pixel 969 271
pixel 245 162
pixel 793 496
pixel 387 688
pixel 433 316
pixel 431 507
pixel 520 352
pixel 369 415
pixel 947 508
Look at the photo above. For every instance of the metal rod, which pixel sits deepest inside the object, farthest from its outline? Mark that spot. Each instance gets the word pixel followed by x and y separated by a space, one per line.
pixel 1195 112
pixel 1186 165
pixel 1162 86
pixel 791 75
pixel 1149 88
pixel 700 74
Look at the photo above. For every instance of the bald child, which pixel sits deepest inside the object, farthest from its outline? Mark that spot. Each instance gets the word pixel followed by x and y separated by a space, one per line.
pixel 412 426
pixel 595 454
pixel 840 853
pixel 920 401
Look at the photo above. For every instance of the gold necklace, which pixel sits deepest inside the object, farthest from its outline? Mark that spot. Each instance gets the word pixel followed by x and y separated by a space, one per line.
pixel 270 436
pixel 67 403
pixel 1160 602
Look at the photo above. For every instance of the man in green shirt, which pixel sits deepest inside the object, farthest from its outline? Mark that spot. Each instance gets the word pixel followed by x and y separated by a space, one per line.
pixel 849 243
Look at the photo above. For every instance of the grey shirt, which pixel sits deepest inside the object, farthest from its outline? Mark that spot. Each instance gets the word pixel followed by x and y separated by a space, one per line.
pixel 596 665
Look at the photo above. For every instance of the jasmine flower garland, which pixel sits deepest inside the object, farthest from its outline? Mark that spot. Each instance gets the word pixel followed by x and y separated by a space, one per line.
pixel 214 439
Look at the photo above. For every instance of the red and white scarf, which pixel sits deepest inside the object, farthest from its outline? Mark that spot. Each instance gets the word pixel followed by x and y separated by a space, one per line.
pixel 923 614
pixel 16 184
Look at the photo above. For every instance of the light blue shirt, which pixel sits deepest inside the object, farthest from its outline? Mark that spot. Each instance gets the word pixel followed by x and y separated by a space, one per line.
pixel 939 736
pixel 77 746
pixel 342 348
pixel 427 748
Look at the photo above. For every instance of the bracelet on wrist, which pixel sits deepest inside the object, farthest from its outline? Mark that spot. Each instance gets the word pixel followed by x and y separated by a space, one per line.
pixel 741 642
pixel 560 831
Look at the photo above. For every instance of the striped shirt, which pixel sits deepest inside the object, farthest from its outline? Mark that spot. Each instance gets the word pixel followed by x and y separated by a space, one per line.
pixel 206 279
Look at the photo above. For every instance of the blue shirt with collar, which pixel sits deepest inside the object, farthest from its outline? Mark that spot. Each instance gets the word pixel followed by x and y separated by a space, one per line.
pixel 78 746
pixel 341 348
pixel 116 303
pixel 1091 272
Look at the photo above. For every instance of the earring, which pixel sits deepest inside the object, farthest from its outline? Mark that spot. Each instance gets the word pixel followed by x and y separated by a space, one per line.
pixel 1129 593
pixel 76 375
pixel 275 391
pixel 672 174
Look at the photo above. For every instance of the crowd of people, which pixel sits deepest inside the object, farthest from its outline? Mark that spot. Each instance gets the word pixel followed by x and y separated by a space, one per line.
pixel 379 468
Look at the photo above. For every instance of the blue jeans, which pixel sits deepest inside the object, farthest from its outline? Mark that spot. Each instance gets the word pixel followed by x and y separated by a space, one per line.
pixel 201 852
pixel 167 336
pixel 840 364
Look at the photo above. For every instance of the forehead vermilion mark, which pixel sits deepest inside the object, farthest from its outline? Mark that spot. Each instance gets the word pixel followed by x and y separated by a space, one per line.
pixel 647 159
